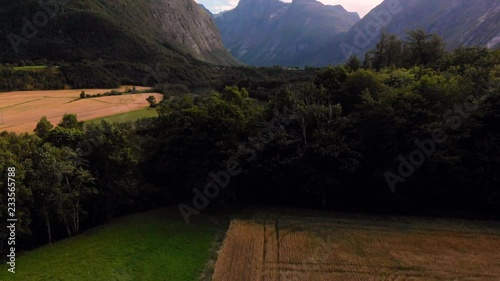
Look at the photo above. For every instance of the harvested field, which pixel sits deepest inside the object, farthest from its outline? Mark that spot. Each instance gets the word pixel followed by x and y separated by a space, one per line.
pixel 245 242
pixel 20 111
pixel 347 248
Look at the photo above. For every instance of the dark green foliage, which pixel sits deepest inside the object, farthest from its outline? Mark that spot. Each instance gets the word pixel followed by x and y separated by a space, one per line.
pixel 71 179
pixel 90 75
pixel 46 79
pixel 353 63
pixel 43 128
pixel 65 137
pixel 113 151
pixel 425 49
pixel 419 49
pixel 152 101
pixel 333 140
pixel 332 78
pixel 69 121
pixel 197 133
pixel 389 52
pixel 463 58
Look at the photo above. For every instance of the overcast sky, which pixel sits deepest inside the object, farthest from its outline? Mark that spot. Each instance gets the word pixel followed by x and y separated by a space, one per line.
pixel 360 6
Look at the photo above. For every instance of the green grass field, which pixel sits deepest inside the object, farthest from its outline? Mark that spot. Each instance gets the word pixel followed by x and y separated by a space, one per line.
pixel 30 68
pixel 128 116
pixel 152 246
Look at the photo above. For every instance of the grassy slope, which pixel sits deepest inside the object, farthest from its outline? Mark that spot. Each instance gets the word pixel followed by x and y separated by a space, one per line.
pixel 128 116
pixel 150 246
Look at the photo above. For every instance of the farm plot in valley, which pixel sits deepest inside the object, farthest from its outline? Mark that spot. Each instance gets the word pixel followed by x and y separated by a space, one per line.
pixel 329 249
pixel 20 111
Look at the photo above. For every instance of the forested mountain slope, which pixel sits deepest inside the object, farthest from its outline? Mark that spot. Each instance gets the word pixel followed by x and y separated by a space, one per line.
pixel 124 30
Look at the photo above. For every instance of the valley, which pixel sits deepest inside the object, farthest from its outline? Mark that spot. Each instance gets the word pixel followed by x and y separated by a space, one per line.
pixel 250 140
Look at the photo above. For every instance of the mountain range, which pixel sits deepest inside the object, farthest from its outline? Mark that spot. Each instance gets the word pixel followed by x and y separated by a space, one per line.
pixel 181 33
pixel 306 32
pixel 271 32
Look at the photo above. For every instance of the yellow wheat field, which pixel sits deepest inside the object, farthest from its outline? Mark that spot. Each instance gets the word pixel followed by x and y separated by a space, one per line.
pixel 20 111
pixel 344 249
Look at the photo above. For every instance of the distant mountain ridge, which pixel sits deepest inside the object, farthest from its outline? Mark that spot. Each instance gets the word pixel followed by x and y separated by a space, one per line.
pixel 306 32
pixel 271 32
pixel 458 22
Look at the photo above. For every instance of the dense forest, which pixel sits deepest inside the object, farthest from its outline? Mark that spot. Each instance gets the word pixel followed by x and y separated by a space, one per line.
pixel 411 128
pixel 172 79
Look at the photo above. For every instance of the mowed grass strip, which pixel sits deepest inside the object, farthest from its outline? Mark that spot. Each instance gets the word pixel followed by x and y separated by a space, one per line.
pixel 128 116
pixel 30 68
pixel 152 246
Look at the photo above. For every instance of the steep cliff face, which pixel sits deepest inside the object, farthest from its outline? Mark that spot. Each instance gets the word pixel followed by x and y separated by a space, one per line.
pixel 270 32
pixel 191 28
pixel 458 22
pixel 132 30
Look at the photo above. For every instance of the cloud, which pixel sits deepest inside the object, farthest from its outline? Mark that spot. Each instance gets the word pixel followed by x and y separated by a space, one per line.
pixel 362 7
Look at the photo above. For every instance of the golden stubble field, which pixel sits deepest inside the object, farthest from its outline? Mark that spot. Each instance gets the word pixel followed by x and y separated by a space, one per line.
pixel 291 248
pixel 20 111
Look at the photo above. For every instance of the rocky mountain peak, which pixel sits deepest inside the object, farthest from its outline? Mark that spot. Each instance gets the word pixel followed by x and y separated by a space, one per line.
pixel 270 32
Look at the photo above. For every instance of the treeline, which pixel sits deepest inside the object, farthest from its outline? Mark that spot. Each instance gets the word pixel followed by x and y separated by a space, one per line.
pixel 200 78
pixel 69 178
pixel 176 79
pixel 416 136
pixel 350 139
pixel 84 95
pixel 421 49
pixel 25 80
pixel 411 137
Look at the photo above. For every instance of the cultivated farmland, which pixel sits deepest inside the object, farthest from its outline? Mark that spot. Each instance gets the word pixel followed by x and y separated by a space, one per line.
pixel 20 111
pixel 347 248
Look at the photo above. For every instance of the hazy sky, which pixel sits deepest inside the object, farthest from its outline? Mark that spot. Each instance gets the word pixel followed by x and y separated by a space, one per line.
pixel 360 6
